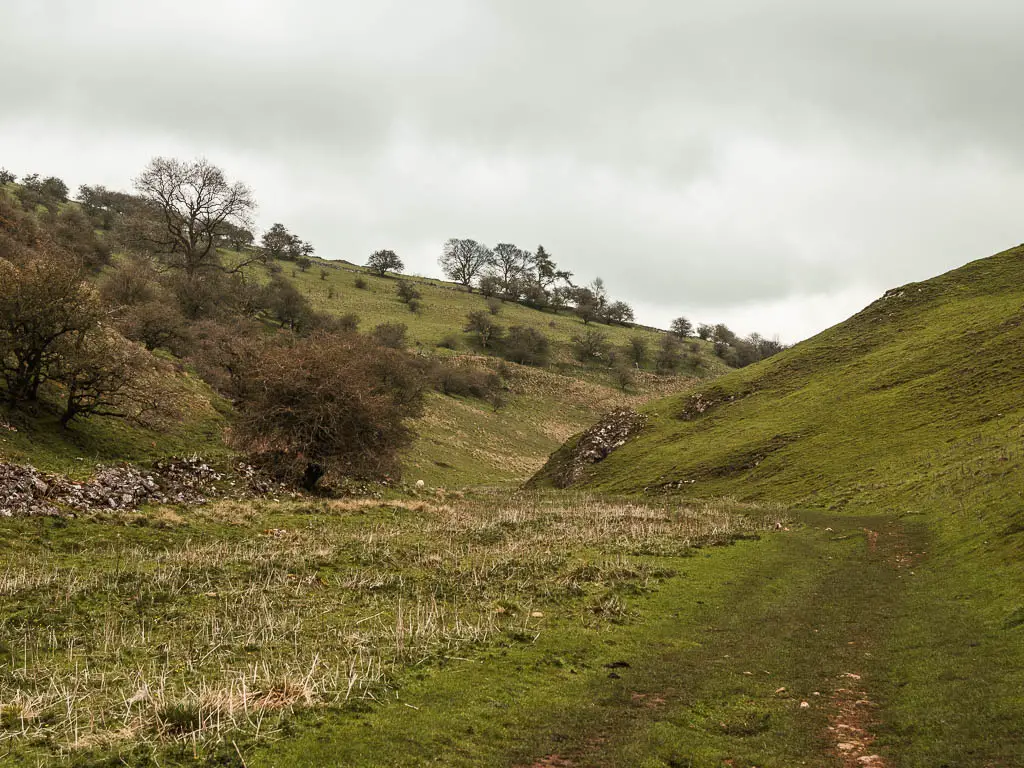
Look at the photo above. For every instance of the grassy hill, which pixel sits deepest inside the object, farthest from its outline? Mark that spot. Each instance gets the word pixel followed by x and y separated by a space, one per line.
pixel 906 419
pixel 917 396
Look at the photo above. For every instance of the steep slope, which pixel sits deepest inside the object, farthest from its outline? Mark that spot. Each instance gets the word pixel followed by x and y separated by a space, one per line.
pixel 916 396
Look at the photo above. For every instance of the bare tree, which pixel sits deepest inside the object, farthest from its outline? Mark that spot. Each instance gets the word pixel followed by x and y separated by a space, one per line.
pixel 510 262
pixel 384 261
pixel 194 203
pixel 465 260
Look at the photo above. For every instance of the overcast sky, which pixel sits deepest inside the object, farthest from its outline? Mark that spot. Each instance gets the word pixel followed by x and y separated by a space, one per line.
pixel 773 165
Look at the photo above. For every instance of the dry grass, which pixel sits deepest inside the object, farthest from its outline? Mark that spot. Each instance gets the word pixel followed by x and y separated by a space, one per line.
pixel 229 618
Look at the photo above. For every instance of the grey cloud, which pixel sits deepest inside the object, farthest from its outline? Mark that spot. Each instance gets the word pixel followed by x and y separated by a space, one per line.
pixel 716 157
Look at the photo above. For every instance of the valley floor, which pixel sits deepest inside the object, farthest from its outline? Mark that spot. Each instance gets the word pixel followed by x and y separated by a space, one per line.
pixel 840 642
pixel 528 632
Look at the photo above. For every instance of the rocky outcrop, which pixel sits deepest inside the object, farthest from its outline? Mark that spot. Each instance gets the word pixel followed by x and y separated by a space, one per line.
pixel 25 490
pixel 568 464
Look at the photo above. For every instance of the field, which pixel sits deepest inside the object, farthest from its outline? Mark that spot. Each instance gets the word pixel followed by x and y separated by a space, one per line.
pixel 172 632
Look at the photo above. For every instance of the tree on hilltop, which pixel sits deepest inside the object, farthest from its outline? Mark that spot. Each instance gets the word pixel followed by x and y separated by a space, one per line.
pixel 384 261
pixel 681 327
pixel 463 261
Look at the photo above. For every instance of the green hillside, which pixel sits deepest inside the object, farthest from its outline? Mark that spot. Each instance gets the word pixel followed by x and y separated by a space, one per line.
pixel 916 397
pixel 444 307
pixel 907 423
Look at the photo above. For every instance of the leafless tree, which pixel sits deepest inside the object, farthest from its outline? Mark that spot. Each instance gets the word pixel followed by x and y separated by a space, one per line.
pixel 465 260
pixel 194 205
pixel 510 262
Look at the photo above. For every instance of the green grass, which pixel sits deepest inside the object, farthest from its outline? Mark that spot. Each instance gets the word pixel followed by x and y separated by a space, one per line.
pixel 160 634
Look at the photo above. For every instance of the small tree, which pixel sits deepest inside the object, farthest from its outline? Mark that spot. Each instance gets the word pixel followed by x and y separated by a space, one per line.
pixel 724 334
pixel 382 262
pixel 636 350
pixel 510 263
pixel 526 346
pixel 591 345
pixel 42 303
pixel 328 403
pixel 618 312
pixel 286 303
pixel 6 177
pixel 681 327
pixel 391 335
pixel 277 242
pixel 490 285
pixel 304 263
pixel 625 376
pixel 463 261
pixel 587 309
pixel 104 374
pixel 705 332
pixel 483 326
pixel 407 292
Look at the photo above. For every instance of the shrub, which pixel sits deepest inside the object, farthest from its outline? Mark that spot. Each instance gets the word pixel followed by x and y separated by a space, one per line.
pixel 483 327
pixel 130 282
pixel 349 322
pixel 489 285
pixel 591 345
pixel 415 306
pixel 407 292
pixel 636 350
pixel 328 403
pixel 361 283
pixel 669 354
pixel 155 324
pixel 526 346
pixel 465 381
pixel 494 306
pixel 391 335
pixel 450 341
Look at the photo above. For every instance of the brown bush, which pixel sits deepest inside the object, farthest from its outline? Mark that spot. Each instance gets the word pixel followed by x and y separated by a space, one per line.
pixel 328 403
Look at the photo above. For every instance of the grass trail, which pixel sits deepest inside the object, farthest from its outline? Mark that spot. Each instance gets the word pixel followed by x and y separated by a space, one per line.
pixel 839 643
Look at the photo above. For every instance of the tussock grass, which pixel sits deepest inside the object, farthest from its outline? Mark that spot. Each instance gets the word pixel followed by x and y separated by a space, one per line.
pixel 239 614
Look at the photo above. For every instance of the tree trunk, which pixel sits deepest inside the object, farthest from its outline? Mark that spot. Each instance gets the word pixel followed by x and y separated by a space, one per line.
pixel 312 476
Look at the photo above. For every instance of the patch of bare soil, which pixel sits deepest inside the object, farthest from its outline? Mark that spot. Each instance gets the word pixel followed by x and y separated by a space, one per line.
pixel 850 725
